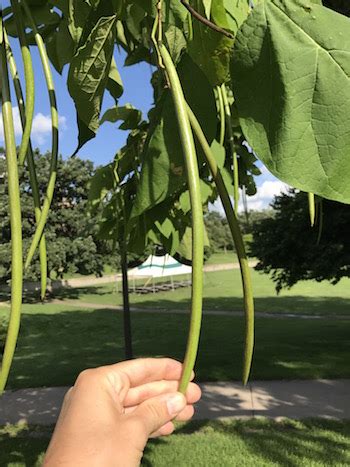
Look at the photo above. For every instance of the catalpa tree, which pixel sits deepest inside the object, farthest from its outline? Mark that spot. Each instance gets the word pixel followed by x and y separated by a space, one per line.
pixel 272 75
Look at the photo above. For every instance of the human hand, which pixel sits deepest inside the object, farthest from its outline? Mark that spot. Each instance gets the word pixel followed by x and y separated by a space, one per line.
pixel 109 414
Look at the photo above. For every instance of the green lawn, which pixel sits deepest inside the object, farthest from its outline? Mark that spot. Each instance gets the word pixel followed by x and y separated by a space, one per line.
pixel 57 342
pixel 223 258
pixel 223 291
pixel 264 443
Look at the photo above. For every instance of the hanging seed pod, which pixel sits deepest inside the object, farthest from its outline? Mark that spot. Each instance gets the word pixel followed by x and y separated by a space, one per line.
pixel 190 157
pixel 238 242
pixel 29 80
pixel 15 217
pixel 54 151
pixel 31 166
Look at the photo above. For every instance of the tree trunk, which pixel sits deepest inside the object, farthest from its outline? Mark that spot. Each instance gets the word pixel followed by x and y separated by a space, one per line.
pixel 126 306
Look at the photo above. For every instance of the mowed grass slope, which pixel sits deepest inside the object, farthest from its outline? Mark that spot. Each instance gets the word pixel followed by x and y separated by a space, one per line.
pixel 309 443
pixel 223 291
pixel 57 342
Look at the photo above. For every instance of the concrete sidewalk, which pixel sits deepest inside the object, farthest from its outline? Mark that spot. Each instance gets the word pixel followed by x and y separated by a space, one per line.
pixel 273 399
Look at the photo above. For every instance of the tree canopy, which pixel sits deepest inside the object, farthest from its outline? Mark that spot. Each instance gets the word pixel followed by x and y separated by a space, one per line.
pixel 71 234
pixel 291 250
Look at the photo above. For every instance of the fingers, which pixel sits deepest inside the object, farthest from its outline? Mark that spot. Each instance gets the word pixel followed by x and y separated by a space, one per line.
pixel 141 393
pixel 145 370
pixel 155 413
pixel 168 428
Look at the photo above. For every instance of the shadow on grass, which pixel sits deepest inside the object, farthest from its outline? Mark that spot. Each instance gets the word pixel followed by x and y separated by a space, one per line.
pixel 298 304
pixel 71 293
pixel 22 450
pixel 255 442
pixel 55 346
pixel 179 300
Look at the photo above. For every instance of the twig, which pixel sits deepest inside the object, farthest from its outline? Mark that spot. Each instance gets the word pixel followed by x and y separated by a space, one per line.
pixel 205 21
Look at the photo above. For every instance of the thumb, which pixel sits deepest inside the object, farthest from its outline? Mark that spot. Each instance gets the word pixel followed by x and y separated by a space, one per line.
pixel 157 411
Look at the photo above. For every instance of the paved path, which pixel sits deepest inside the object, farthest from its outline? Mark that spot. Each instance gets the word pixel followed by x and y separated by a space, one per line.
pixel 259 314
pixel 88 281
pixel 273 399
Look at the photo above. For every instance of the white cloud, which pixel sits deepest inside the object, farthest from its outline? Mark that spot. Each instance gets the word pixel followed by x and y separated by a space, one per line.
pixel 41 128
pixel 266 192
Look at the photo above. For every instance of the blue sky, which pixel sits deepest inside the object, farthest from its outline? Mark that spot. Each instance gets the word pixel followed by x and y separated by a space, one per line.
pixel 109 139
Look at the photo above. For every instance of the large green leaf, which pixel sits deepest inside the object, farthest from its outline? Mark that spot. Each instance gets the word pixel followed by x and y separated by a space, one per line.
pixel 88 75
pixel 210 49
pixel 163 171
pixel 291 81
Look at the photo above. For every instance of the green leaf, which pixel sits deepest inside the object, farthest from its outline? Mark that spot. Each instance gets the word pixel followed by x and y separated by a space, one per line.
pixel 237 12
pixel 101 183
pixel 173 12
pixel 165 227
pixel 207 7
pixel 88 76
pixel 291 81
pixel 60 56
pixel 114 83
pixel 218 152
pixel 163 170
pixel 185 247
pixel 131 117
pixel 176 42
pixel 78 13
pixel 210 49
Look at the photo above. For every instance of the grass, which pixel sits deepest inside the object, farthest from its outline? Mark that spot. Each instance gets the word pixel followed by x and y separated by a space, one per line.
pixel 309 443
pixel 223 291
pixel 57 342
pixel 223 258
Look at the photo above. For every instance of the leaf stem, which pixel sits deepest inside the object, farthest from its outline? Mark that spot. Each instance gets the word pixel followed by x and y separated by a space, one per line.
pixel 191 163
pixel 29 79
pixel 15 218
pixel 54 151
pixel 222 115
pixel 238 241
pixel 31 165
pixel 232 147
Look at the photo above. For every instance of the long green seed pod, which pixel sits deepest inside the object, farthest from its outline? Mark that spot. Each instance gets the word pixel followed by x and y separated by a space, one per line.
pixel 29 79
pixel 320 220
pixel 31 165
pixel 15 219
pixel 189 151
pixel 312 210
pixel 54 151
pixel 232 147
pixel 239 245
pixel 222 115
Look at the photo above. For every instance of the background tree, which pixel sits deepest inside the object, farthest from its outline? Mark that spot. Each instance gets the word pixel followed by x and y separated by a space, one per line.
pixel 219 234
pixel 291 250
pixel 248 221
pixel 72 243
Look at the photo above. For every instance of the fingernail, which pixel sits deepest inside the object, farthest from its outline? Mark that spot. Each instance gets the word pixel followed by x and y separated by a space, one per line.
pixel 175 403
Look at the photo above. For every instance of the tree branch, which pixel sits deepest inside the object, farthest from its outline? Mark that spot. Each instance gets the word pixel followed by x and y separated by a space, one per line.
pixel 205 21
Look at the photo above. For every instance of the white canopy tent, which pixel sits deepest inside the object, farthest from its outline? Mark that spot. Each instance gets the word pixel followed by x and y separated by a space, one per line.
pixel 156 267
pixel 160 266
